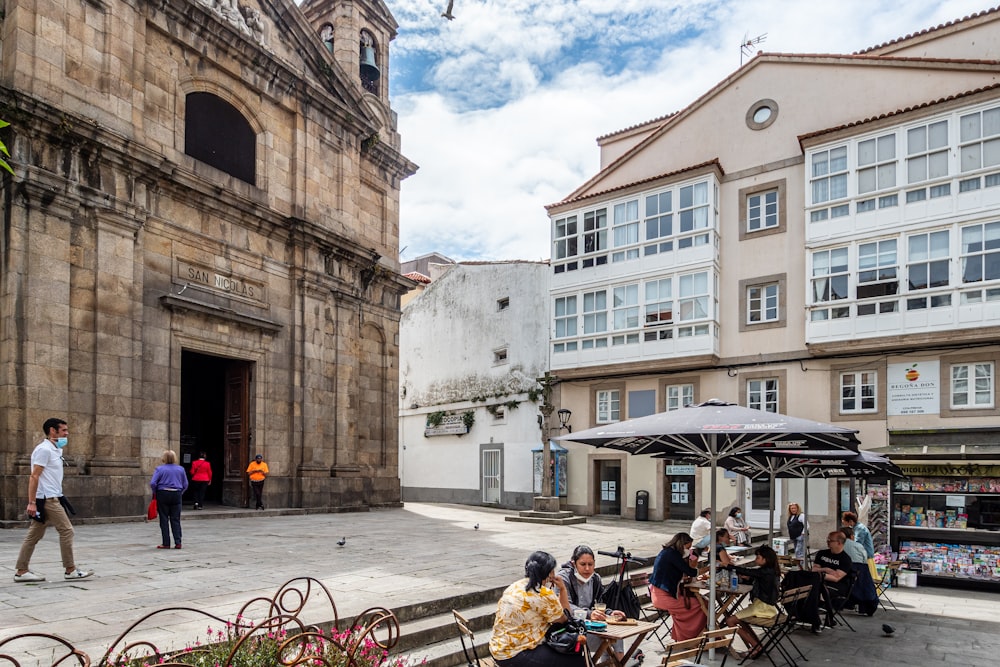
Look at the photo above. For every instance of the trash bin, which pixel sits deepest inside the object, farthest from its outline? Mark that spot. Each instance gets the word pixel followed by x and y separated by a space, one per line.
pixel 642 505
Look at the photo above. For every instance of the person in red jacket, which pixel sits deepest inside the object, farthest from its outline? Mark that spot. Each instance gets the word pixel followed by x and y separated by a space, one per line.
pixel 201 477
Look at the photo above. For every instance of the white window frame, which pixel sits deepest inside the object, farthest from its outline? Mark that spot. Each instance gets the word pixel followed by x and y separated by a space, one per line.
pixel 595 231
pixel 658 223
pixel 927 150
pixel 825 271
pixel 658 307
pixel 693 297
pixel 762 210
pixel 971 382
pixel 608 409
pixel 979 140
pixel 763 303
pixel 828 175
pixel 626 223
pixel 763 394
pixel 988 239
pixel 927 255
pixel 876 158
pixel 858 388
pixel 878 265
pixel 565 317
pixel 564 237
pixel 595 312
pixel 625 307
pixel 676 396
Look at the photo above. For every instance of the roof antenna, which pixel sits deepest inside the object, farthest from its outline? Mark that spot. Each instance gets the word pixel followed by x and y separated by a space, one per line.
pixel 748 44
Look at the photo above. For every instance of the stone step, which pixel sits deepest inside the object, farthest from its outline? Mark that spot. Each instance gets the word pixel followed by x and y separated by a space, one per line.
pixel 561 518
pixel 430 638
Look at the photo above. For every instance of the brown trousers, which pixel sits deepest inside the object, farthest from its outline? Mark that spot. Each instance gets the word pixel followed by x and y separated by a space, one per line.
pixel 55 516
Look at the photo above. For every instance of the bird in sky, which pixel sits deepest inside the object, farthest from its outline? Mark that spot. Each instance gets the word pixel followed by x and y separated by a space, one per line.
pixel 887 629
pixel 476 526
pixel 447 13
pixel 342 541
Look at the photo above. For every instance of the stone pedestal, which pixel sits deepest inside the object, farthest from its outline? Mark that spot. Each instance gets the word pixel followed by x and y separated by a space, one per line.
pixel 546 510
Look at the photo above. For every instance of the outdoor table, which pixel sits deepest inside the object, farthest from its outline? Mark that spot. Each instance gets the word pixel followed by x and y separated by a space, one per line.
pixel 726 599
pixel 605 653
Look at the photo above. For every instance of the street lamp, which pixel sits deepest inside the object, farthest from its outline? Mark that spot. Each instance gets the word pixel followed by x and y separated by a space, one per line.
pixel 564 414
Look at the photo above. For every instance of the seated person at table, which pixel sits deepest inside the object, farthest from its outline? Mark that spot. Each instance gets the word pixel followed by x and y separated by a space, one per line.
pixel 852 548
pixel 722 540
pixel 674 566
pixel 701 530
pixel 583 585
pixel 834 565
pixel 763 598
pixel 738 528
pixel 525 611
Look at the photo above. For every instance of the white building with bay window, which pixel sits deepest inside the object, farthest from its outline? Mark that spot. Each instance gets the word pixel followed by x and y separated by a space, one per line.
pixel 791 245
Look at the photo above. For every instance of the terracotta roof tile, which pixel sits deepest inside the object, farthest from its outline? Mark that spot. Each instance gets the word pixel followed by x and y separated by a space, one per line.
pixel 417 276
pixel 926 31
pixel 890 114
pixel 652 121
pixel 713 162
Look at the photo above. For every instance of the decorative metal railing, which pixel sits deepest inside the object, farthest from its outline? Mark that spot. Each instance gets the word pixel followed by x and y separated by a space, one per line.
pixel 266 631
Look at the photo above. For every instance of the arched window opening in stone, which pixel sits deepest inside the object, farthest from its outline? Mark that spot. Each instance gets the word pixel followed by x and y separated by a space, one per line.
pixel 326 34
pixel 216 133
pixel 369 63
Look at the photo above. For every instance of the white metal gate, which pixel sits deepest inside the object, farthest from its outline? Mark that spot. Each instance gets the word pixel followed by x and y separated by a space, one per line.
pixel 491 475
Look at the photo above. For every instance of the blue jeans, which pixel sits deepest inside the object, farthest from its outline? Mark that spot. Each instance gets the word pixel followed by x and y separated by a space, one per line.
pixel 703 542
pixel 168 506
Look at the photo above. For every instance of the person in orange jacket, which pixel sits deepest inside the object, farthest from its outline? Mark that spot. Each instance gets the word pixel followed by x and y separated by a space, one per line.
pixel 258 473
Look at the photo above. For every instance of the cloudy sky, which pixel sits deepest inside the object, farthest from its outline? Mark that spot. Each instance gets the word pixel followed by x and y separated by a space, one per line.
pixel 501 107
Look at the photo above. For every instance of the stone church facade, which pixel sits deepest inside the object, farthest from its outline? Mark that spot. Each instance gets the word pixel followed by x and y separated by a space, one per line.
pixel 199 247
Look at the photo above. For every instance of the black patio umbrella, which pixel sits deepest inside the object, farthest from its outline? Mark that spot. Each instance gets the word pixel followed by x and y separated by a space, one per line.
pixel 809 465
pixel 711 431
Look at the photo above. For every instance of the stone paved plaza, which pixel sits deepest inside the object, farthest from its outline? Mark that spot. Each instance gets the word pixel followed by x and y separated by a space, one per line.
pixel 395 557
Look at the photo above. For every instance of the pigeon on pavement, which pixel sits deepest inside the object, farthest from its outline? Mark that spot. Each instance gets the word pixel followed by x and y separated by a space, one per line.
pixel 887 629
pixel 342 541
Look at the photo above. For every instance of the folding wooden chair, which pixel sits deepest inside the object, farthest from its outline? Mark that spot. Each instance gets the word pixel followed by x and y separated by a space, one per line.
pixel 662 619
pixel 837 600
pixel 779 628
pixel 684 652
pixel 469 644
pixel 887 581
pixel 717 640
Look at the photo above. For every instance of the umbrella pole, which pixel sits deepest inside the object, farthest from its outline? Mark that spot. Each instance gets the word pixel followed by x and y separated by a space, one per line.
pixel 712 540
pixel 770 511
pixel 805 528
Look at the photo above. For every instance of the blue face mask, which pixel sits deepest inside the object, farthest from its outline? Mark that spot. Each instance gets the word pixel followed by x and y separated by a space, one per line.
pixel 61 442
pixel 739 515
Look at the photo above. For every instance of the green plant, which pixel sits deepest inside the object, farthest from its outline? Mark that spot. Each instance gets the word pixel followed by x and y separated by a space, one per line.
pixel 468 418
pixel 533 394
pixel 512 405
pixel 434 419
pixel 276 646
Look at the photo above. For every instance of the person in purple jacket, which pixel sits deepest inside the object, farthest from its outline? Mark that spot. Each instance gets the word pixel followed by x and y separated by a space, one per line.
pixel 169 483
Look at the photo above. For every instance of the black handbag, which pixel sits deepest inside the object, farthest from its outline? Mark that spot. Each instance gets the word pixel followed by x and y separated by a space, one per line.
pixel 565 637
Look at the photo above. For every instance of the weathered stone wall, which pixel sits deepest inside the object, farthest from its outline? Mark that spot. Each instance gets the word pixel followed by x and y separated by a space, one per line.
pixel 120 251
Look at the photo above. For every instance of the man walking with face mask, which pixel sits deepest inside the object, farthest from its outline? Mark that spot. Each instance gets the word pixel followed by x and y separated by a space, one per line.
pixel 46 505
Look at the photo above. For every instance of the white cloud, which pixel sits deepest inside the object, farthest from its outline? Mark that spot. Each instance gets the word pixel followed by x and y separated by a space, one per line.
pixel 520 90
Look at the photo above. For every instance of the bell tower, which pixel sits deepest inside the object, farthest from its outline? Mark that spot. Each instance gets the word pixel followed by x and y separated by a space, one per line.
pixel 357 33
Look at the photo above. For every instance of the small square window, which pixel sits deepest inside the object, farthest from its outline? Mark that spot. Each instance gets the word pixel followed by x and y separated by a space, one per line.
pixel 500 356
pixel 503 304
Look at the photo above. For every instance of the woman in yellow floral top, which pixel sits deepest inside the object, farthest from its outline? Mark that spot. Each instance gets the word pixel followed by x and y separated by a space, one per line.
pixel 524 613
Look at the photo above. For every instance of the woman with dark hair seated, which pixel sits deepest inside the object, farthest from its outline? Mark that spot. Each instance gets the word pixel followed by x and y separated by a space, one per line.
pixel 525 611
pixel 763 598
pixel 674 566
pixel 583 585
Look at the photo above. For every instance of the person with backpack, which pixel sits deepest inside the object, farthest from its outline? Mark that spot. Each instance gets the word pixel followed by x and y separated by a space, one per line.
pixel 583 585
pixel 796 527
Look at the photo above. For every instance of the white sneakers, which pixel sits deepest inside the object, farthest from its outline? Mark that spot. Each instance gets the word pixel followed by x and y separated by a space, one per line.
pixel 28 576
pixel 77 574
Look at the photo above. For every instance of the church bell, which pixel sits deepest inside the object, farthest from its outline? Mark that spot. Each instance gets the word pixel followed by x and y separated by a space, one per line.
pixel 369 70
